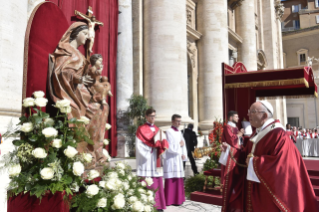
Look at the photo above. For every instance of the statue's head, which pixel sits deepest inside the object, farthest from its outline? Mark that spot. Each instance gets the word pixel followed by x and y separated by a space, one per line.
pixel 80 34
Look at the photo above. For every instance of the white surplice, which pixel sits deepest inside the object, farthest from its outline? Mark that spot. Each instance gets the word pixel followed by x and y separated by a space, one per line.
pixel 173 162
pixel 146 158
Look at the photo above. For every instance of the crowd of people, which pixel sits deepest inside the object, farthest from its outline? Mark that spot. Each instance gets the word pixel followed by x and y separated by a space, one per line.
pixel 304 133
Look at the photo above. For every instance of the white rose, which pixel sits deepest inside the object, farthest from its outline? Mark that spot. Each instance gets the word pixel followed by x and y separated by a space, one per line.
pixel 57 143
pixel 39 153
pixel 63 103
pixel 147 208
pixel 47 173
pixel 107 126
pixel 102 184
pixel 38 94
pixel 14 170
pixel 70 152
pixel 120 165
pixel 27 127
pixel 84 119
pixel 93 174
pixel 106 142
pixel 137 206
pixel 101 203
pixel 112 175
pixel 130 192
pixel 150 199
pixel 49 121
pixel 87 157
pixel 118 183
pixel 78 168
pixel 143 183
pixel 75 187
pixel 144 197
pixel 110 185
pixel 142 191
pixel 129 177
pixel 132 199
pixel 49 132
pixel 92 190
pixel 125 185
pixel 106 154
pixel 150 193
pixel 66 109
pixel 119 202
pixel 40 102
pixel 149 181
pixel 28 102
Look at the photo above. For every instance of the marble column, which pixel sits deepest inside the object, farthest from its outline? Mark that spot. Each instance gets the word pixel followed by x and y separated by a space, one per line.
pixel 32 4
pixel 165 59
pixel 212 50
pixel 13 23
pixel 137 6
pixel 246 28
pixel 124 73
pixel 270 34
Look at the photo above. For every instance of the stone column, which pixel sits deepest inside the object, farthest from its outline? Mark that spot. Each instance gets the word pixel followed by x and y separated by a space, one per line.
pixel 13 23
pixel 245 27
pixel 270 34
pixel 212 51
pixel 32 4
pixel 124 74
pixel 137 6
pixel 165 61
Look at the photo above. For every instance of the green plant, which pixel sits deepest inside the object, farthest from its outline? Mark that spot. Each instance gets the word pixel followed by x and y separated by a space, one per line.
pixel 136 113
pixel 195 183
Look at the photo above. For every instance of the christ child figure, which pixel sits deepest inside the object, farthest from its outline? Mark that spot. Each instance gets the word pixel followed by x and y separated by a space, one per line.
pixel 91 22
pixel 101 87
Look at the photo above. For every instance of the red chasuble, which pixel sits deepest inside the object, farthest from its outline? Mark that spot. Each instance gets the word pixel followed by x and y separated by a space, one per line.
pixel 146 135
pixel 284 181
pixel 234 173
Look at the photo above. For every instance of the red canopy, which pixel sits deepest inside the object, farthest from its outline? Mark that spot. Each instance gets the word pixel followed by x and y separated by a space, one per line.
pixel 242 87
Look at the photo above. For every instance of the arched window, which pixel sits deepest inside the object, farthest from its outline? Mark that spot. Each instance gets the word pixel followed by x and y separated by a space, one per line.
pixel 302 55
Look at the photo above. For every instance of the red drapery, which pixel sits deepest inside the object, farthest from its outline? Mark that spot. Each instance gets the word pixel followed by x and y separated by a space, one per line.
pixel 45 30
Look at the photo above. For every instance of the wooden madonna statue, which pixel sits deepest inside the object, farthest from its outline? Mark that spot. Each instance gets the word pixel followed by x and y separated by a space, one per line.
pixel 77 78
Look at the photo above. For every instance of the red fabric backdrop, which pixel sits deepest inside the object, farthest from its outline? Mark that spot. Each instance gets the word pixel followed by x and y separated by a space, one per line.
pixel 49 23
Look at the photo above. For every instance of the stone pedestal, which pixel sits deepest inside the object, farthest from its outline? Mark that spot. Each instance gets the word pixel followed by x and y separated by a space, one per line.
pixel 165 61
pixel 246 28
pixel 213 48
pixel 124 74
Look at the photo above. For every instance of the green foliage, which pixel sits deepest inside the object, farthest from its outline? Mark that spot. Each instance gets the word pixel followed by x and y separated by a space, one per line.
pixel 209 164
pixel 136 113
pixel 195 183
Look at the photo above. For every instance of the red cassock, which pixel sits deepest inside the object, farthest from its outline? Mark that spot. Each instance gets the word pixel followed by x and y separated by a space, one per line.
pixel 284 181
pixel 233 175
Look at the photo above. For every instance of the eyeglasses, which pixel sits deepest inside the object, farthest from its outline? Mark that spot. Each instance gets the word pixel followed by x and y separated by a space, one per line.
pixel 255 111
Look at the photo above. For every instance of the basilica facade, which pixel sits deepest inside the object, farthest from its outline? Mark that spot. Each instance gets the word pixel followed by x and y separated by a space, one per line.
pixel 168 51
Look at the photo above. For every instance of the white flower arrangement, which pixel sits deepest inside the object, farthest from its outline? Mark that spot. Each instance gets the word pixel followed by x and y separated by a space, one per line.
pixel 48 145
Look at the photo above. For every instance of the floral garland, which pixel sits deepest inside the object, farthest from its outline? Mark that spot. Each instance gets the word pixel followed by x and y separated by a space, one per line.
pixel 46 159
pixel 215 139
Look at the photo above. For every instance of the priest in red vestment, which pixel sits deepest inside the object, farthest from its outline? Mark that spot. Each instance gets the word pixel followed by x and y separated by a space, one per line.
pixel 276 178
pixel 234 138
pixel 150 145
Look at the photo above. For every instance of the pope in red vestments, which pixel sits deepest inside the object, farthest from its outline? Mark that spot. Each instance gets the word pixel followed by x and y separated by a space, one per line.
pixel 276 178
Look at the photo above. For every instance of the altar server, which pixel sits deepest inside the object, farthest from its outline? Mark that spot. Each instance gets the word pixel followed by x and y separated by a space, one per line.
pixel 173 164
pixel 150 145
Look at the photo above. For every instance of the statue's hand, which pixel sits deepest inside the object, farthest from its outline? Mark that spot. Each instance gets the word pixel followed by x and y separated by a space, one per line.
pixel 87 80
